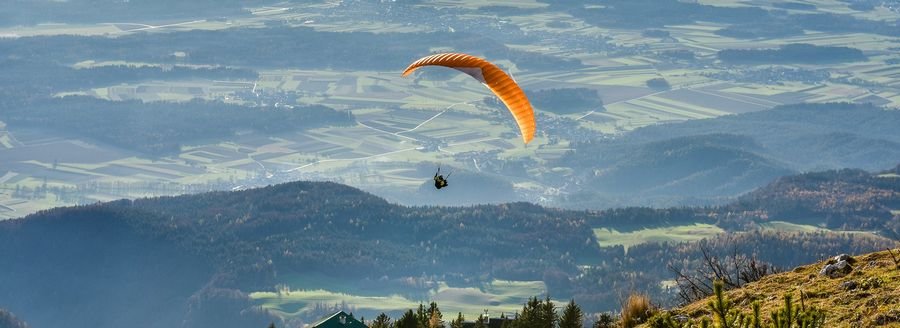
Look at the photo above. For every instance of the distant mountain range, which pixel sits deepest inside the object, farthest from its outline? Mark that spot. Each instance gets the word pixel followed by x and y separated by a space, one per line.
pixel 730 155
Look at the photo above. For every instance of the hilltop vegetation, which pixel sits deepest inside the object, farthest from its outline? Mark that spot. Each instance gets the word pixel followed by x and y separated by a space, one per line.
pixel 867 297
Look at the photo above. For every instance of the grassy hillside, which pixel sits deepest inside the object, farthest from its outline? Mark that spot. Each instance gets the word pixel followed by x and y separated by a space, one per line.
pixel 867 297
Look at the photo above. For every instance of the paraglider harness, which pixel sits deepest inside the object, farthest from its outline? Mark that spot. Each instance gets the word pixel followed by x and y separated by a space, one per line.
pixel 439 180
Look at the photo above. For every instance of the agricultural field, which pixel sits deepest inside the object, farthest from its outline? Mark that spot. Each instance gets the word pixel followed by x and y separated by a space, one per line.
pixel 793 227
pixel 299 299
pixel 402 122
pixel 674 234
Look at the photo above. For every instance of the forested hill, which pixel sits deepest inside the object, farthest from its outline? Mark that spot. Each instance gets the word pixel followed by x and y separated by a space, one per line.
pixel 165 256
pixel 281 228
pixel 843 199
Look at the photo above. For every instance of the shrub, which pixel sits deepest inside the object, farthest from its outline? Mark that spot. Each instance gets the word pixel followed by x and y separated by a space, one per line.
pixel 637 309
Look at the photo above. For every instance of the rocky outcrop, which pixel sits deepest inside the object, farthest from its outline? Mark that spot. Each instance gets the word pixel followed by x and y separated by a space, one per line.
pixel 839 266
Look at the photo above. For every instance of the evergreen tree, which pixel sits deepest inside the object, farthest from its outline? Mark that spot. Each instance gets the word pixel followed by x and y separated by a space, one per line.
pixel 381 321
pixel 572 316
pixel 549 318
pixel 536 314
pixel 480 322
pixel 408 320
pixel 422 316
pixel 457 323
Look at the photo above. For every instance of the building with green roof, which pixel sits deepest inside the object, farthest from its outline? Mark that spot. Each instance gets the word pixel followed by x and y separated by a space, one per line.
pixel 339 319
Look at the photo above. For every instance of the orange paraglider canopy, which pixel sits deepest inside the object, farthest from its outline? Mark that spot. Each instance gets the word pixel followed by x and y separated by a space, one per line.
pixel 491 76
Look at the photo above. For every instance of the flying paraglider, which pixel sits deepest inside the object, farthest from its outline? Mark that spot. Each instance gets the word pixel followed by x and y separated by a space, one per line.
pixel 492 77
pixel 439 180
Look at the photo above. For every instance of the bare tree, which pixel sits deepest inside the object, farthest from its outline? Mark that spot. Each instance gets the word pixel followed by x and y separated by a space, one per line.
pixel 733 271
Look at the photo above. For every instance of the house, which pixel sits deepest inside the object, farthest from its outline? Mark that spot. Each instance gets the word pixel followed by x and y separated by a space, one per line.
pixel 339 319
pixel 491 323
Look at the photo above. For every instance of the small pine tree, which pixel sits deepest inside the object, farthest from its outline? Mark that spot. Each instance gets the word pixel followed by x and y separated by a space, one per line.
pixel 408 320
pixel 572 316
pixel 480 322
pixel 422 316
pixel 381 321
pixel 548 316
pixel 458 322
pixel 725 314
pixel 790 317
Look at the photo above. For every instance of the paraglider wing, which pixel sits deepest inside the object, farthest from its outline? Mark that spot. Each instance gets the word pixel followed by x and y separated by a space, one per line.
pixel 491 76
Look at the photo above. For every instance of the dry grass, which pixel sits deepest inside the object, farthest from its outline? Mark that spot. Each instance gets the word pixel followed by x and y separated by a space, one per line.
pixel 873 302
pixel 636 310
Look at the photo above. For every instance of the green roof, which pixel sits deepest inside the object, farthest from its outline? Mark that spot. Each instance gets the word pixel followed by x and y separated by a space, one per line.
pixel 339 319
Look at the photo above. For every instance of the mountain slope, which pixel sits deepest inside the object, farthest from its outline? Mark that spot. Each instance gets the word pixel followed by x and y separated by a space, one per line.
pixel 719 158
pixel 845 199
pixel 806 136
pixel 869 296
pixel 705 166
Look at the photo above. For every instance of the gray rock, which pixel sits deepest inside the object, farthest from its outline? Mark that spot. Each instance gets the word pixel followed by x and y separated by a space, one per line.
pixel 849 285
pixel 836 270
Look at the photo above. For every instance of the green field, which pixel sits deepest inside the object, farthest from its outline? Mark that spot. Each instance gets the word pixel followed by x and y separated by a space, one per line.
pixel 610 237
pixel 793 227
pixel 790 227
pixel 498 296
